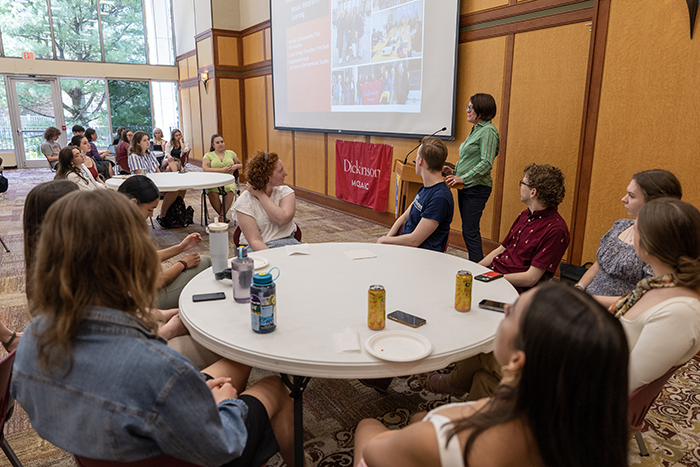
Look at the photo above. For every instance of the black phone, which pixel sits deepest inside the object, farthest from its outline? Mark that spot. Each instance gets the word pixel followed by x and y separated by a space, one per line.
pixel 207 297
pixel 492 305
pixel 489 276
pixel 406 318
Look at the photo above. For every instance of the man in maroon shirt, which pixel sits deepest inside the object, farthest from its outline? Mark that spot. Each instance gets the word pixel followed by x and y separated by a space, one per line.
pixel 533 247
pixel 539 236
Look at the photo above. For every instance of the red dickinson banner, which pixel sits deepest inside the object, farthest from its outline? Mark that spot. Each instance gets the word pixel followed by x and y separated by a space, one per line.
pixel 362 173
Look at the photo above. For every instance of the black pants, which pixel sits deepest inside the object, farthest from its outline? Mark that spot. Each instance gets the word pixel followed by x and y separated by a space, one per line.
pixel 471 202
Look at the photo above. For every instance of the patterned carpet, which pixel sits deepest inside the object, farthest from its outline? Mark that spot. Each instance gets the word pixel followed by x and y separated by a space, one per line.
pixel 332 408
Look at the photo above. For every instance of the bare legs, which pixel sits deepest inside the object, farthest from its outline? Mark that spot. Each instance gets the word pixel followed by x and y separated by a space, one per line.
pixel 215 200
pixel 6 338
pixel 368 428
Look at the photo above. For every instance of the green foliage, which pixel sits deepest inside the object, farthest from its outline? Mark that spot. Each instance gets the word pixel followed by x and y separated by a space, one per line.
pixel 25 27
pixel 75 30
pixel 85 103
pixel 123 32
pixel 130 103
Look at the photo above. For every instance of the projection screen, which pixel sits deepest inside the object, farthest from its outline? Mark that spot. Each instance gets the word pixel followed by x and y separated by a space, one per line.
pixel 365 66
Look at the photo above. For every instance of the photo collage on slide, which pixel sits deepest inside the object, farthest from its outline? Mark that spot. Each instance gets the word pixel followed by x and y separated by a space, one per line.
pixel 376 54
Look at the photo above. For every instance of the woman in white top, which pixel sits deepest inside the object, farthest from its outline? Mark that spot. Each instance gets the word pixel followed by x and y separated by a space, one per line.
pixel 661 316
pixel 174 149
pixel 562 400
pixel 71 167
pixel 265 212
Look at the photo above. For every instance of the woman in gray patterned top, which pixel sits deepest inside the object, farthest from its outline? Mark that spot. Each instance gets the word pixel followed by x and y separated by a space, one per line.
pixel 618 268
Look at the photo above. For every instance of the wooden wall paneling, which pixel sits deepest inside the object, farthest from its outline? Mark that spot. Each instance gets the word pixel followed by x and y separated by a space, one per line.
pixel 230 122
pixel 569 17
pixel 253 48
pixel 268 44
pixel 208 106
pixel 279 141
pixel 182 70
pixel 514 8
pixel 310 161
pixel 255 115
pixel 205 52
pixel 481 69
pixel 185 114
pixel 196 125
pixel 499 169
pixel 401 147
pixel 330 191
pixel 546 103
pixel 591 106
pixel 472 6
pixel 192 66
pixel 227 50
pixel 649 115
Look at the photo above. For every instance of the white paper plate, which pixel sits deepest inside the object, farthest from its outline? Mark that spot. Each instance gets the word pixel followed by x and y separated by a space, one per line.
pixel 259 262
pixel 398 346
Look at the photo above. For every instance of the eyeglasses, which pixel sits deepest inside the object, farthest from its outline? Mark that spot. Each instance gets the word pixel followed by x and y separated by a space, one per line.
pixel 470 107
pixel 523 183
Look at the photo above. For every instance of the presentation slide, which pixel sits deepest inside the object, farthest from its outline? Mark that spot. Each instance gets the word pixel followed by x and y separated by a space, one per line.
pixel 365 66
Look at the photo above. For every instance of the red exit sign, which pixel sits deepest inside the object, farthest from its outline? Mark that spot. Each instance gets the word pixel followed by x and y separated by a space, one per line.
pixel 28 55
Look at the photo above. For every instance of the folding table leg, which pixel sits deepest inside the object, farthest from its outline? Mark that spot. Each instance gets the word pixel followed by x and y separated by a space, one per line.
pixel 297 385
pixel 3 244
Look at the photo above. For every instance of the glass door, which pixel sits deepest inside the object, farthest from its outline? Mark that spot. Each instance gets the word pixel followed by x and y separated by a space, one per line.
pixel 35 105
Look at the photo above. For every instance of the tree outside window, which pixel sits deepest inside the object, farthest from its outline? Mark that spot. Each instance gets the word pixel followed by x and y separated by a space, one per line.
pixel 85 103
pixel 122 31
pixel 25 28
pixel 130 104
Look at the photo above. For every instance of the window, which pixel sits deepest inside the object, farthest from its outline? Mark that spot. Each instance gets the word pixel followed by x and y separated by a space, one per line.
pixel 122 31
pixel 165 110
pixel 88 30
pixel 160 32
pixel 25 28
pixel 85 104
pixel 76 33
pixel 6 143
pixel 130 105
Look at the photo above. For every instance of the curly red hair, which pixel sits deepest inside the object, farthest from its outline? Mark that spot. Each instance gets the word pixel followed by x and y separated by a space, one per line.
pixel 259 169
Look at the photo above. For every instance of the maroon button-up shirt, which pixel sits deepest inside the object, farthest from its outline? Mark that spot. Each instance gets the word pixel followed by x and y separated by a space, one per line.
pixel 537 239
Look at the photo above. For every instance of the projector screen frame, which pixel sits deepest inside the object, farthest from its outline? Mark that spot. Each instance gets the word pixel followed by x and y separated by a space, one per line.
pixel 339 131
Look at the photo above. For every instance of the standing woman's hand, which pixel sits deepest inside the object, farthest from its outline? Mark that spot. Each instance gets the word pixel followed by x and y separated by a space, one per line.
pixel 453 181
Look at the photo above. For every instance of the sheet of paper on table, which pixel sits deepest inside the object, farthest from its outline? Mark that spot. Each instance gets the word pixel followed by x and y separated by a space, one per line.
pixel 302 249
pixel 347 341
pixel 359 254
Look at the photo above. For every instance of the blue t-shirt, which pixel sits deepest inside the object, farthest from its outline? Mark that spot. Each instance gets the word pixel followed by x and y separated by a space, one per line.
pixel 435 203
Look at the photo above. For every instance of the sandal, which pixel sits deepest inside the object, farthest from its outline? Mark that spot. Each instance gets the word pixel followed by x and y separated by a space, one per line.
pixel 9 343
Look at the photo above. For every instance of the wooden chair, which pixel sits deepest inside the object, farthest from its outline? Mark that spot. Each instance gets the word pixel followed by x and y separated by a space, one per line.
pixel 162 460
pixel 639 403
pixel 237 235
pixel 7 405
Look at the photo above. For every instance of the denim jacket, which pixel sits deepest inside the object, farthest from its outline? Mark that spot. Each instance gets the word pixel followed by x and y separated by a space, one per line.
pixel 128 397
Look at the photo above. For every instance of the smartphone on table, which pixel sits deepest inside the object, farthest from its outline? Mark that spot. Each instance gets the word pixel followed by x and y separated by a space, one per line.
pixel 406 318
pixel 492 305
pixel 489 276
pixel 207 297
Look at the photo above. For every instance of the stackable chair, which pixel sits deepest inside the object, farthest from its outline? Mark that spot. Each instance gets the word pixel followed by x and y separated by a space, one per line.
pixel 639 403
pixel 163 460
pixel 204 210
pixel 237 235
pixel 5 398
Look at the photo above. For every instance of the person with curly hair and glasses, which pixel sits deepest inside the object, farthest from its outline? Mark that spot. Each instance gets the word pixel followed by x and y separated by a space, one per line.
pixel 265 212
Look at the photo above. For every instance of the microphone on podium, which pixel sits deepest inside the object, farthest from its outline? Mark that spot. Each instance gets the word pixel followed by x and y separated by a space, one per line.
pixel 406 158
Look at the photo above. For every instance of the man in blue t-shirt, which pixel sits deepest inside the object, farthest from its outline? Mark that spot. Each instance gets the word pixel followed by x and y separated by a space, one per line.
pixel 426 222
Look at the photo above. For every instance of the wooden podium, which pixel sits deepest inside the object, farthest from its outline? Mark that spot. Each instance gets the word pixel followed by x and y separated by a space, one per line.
pixel 407 185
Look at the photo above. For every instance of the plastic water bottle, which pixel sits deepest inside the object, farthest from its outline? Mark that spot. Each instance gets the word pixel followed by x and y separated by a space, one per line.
pixel 263 303
pixel 218 245
pixel 242 275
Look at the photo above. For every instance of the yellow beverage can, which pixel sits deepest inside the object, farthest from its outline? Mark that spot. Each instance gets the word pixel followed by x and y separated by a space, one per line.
pixel 463 291
pixel 376 309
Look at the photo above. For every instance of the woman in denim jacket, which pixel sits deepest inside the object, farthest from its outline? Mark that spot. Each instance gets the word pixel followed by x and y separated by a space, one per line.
pixel 95 377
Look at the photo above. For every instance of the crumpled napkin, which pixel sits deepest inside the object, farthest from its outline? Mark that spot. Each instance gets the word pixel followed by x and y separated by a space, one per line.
pixel 347 341
pixel 302 249
pixel 359 254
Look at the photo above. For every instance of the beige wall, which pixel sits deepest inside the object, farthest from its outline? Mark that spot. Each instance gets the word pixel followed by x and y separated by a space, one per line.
pixel 184 26
pixel 226 14
pixel 254 12
pixel 650 108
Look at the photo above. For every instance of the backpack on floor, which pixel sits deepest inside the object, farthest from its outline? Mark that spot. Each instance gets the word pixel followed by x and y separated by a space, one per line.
pixel 178 215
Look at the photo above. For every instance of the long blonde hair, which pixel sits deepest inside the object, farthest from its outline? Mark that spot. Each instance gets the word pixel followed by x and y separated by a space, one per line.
pixel 77 272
